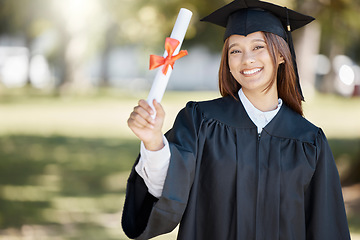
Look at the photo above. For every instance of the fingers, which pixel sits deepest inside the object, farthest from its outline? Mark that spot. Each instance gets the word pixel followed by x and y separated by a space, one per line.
pixel 141 116
pixel 142 103
pixel 137 120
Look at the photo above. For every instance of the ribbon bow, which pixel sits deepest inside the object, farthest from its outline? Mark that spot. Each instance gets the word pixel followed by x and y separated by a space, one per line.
pixel 170 46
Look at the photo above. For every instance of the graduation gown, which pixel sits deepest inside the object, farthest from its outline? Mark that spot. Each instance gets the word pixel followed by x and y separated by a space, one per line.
pixel 226 182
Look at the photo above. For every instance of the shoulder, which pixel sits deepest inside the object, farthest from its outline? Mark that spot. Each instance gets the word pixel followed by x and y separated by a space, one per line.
pixel 212 108
pixel 226 110
pixel 289 124
pixel 211 105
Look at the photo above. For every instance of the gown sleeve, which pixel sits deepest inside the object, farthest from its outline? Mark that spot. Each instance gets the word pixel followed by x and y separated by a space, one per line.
pixel 324 208
pixel 145 216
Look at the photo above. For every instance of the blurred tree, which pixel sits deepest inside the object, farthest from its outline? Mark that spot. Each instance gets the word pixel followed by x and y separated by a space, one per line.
pixel 148 22
pixel 84 29
pixel 82 25
pixel 340 25
pixel 24 18
pixel 77 26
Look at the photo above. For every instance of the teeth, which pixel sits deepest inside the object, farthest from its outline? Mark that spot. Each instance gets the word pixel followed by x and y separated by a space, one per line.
pixel 249 72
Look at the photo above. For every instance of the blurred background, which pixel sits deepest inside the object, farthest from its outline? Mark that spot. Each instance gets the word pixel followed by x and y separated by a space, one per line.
pixel 71 72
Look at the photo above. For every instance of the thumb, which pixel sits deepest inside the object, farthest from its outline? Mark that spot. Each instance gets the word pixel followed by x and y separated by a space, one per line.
pixel 160 113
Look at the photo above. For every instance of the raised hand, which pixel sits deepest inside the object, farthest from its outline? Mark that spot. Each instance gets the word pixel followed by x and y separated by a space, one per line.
pixel 145 127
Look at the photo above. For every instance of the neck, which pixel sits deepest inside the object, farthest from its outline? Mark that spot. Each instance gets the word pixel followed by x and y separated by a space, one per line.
pixel 264 101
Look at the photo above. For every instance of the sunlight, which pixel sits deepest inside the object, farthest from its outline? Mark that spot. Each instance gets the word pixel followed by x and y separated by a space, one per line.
pixel 346 74
pixel 39 71
pixel 77 13
pixel 14 61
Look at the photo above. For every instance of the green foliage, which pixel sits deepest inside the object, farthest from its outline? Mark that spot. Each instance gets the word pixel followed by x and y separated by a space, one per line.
pixel 103 25
pixel 340 24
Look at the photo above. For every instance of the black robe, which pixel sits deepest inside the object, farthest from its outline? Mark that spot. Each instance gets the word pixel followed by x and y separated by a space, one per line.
pixel 227 182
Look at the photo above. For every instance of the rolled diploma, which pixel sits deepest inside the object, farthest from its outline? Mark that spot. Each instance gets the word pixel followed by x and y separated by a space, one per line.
pixel 160 82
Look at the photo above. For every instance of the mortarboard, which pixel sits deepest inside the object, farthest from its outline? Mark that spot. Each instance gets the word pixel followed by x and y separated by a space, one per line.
pixel 243 17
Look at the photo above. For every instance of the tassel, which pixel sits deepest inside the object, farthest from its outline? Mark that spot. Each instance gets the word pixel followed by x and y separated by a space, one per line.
pixel 292 50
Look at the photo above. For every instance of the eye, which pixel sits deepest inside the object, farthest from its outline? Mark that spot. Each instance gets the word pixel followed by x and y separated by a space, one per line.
pixel 235 51
pixel 258 47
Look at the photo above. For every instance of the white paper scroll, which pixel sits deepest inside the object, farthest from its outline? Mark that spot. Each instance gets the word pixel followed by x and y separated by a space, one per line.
pixel 160 82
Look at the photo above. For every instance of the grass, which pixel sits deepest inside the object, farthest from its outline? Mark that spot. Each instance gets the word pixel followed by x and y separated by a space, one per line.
pixel 64 161
pixel 62 181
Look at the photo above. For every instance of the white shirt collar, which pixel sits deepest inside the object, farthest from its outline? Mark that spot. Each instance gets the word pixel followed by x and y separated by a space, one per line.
pixel 259 118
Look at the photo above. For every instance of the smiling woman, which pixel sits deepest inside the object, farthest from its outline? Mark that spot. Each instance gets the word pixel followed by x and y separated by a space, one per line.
pixel 280 67
pixel 244 166
pixel 251 65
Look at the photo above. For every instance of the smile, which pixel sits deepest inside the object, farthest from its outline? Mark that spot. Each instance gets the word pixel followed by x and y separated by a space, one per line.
pixel 251 72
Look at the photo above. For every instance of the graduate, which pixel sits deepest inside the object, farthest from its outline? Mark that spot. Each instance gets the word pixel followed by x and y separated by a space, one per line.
pixel 244 166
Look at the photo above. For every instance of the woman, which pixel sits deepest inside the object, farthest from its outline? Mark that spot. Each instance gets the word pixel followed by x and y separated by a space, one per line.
pixel 244 166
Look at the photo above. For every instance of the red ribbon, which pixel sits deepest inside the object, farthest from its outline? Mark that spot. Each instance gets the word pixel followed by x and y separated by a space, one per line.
pixel 170 46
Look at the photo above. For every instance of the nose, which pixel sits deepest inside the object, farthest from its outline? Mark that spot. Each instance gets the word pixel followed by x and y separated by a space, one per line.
pixel 248 58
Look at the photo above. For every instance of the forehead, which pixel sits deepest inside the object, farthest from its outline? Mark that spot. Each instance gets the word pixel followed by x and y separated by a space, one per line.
pixel 240 39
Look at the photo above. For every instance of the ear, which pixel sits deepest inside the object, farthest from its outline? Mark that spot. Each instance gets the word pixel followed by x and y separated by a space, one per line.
pixel 281 59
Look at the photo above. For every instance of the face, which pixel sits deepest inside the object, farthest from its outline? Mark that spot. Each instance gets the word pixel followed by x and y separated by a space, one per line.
pixel 250 62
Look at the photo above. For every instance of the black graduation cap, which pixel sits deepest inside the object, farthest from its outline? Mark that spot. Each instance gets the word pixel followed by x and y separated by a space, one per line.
pixel 243 17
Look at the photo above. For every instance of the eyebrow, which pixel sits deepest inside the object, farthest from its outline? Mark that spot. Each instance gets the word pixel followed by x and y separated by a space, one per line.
pixel 255 40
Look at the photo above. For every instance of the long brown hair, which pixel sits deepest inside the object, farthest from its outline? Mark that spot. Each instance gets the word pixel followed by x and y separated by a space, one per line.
pixel 286 78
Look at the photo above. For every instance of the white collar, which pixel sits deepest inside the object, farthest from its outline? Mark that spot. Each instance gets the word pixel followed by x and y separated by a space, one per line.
pixel 259 118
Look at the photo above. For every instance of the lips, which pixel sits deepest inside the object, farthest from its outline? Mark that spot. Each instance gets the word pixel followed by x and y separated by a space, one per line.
pixel 251 72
